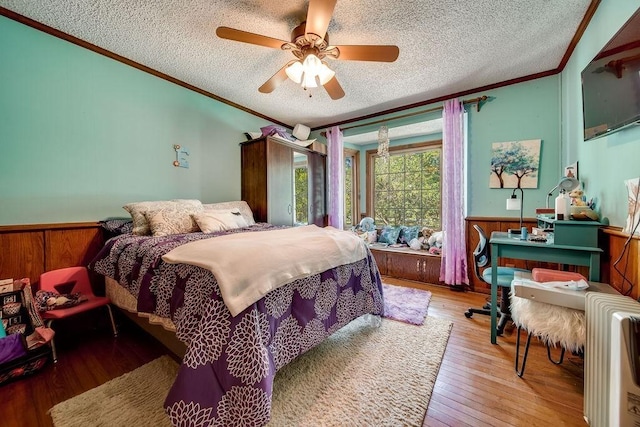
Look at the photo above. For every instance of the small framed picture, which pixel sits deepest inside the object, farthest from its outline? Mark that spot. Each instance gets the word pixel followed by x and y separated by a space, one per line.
pixel 571 171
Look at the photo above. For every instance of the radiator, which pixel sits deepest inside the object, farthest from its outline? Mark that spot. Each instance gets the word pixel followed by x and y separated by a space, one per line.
pixel 599 354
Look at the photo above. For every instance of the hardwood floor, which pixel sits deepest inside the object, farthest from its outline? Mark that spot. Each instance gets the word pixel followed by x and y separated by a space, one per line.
pixel 476 385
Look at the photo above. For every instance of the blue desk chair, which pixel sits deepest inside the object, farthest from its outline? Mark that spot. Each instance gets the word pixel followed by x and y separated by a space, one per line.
pixel 482 258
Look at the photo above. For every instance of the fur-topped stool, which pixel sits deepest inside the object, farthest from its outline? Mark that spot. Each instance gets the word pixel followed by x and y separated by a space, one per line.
pixel 552 324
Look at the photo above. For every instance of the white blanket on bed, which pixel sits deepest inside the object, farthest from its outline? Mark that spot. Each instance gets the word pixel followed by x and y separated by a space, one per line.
pixel 248 265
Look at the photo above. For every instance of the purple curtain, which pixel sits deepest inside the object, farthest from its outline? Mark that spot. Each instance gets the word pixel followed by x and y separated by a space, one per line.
pixel 336 177
pixel 453 267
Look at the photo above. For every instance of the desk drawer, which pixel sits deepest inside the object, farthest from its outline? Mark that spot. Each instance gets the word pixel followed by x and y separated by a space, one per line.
pixel 576 233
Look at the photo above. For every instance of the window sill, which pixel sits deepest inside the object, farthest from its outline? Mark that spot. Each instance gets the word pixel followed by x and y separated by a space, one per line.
pixel 405 250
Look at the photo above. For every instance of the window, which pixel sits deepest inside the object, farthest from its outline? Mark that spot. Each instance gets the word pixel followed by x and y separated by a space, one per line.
pixel 406 189
pixel 351 187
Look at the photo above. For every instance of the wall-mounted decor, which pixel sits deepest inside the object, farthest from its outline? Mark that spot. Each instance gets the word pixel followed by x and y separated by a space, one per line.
pixel 571 171
pixel 633 215
pixel 515 164
pixel 181 156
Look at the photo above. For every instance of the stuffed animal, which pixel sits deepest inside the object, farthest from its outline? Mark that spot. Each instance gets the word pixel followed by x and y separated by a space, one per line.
pixel 415 244
pixel 435 239
pixel 48 300
pixel 367 224
pixel 576 197
pixel 424 235
pixel 426 232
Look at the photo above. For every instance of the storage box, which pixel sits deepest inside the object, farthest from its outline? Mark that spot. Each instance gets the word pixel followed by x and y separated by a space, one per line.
pixel 28 315
pixel 11 285
pixel 319 147
pixel 25 365
pixel 6 285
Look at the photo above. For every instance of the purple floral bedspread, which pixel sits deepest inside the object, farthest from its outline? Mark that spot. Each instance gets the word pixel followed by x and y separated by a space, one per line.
pixel 227 372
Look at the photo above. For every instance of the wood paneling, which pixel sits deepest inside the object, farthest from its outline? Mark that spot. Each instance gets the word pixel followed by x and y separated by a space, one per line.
pixel 22 255
pixel 66 248
pixel 409 266
pixel 621 265
pixel 30 250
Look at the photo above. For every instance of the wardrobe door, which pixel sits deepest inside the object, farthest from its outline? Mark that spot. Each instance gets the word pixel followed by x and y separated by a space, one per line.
pixel 254 177
pixel 279 183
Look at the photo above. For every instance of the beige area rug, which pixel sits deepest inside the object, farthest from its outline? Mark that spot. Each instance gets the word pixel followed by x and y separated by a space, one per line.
pixel 362 375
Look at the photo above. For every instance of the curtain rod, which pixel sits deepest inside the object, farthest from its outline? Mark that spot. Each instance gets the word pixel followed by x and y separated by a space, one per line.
pixel 477 101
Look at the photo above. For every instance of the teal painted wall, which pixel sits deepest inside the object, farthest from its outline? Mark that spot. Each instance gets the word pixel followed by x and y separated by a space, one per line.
pixel 82 134
pixel 604 163
pixel 529 110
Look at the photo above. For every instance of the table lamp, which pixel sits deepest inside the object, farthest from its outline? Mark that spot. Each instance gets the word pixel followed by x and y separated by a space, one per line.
pixel 515 204
pixel 566 184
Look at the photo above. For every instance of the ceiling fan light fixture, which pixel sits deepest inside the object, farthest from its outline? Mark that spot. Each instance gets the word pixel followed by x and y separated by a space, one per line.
pixel 309 43
pixel 294 71
pixel 305 73
pixel 309 80
pixel 325 74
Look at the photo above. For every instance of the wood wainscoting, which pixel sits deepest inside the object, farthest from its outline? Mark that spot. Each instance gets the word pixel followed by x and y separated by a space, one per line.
pixel 624 277
pixel 30 250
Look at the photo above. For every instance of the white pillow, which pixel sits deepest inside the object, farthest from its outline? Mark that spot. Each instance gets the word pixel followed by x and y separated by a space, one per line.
pixel 211 221
pixel 241 205
pixel 172 219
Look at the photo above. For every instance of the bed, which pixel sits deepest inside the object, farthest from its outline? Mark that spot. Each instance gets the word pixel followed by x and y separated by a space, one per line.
pixel 229 362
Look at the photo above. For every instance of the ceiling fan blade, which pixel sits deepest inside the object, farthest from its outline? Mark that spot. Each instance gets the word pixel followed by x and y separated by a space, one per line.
pixel 382 53
pixel 334 89
pixel 318 16
pixel 251 38
pixel 275 80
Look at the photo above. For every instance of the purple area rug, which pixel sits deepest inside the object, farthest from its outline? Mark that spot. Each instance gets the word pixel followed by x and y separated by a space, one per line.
pixel 407 305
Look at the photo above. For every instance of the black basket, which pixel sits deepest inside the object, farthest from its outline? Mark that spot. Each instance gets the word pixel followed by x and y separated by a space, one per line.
pixel 28 315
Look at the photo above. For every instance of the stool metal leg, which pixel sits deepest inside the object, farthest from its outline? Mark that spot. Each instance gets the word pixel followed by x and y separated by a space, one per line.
pixel 53 342
pixel 549 355
pixel 520 371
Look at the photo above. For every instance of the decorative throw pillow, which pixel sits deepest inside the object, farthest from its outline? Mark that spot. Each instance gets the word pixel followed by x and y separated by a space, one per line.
pixel 211 221
pixel 241 205
pixel 389 235
pixel 407 234
pixel 117 226
pixel 138 210
pixel 172 219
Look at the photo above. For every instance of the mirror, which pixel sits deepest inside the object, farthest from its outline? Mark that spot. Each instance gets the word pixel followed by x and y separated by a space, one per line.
pixel 300 188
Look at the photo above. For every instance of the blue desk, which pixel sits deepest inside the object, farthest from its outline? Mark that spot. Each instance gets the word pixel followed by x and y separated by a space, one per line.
pixel 503 246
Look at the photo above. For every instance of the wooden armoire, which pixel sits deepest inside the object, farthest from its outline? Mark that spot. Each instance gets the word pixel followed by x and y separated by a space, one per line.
pixel 268 183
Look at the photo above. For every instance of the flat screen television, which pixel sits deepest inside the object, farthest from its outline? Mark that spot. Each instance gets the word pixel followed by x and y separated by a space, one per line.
pixel 611 84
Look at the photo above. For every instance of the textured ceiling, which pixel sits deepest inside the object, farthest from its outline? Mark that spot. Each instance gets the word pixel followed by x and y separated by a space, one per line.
pixel 446 46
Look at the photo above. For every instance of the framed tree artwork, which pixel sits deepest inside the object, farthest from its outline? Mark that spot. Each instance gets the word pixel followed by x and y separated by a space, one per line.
pixel 515 164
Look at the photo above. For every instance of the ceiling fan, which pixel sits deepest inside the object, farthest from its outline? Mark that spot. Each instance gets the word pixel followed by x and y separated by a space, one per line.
pixel 310 45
